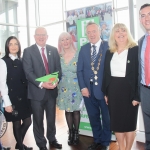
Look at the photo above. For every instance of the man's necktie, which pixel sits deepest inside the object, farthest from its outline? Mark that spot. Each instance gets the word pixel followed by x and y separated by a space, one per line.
pixel 93 56
pixel 147 61
pixel 45 61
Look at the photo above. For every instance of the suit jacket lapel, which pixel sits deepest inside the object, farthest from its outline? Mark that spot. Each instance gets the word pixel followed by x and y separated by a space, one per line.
pixel 88 53
pixel 139 55
pixel 98 54
pixel 128 62
pixel 108 63
pixel 38 55
pixel 140 44
pixel 140 47
pixel 49 58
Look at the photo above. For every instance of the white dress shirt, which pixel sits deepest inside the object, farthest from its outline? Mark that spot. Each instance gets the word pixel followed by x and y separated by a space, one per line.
pixel 97 46
pixel 3 85
pixel 118 64
pixel 40 50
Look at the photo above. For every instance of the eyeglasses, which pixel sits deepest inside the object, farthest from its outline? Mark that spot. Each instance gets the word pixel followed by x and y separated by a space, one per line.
pixel 43 35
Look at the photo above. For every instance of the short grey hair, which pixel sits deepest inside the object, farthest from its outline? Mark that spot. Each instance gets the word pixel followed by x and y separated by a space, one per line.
pixel 91 23
pixel 40 27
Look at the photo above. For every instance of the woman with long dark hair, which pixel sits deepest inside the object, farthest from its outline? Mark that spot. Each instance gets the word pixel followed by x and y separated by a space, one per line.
pixel 14 93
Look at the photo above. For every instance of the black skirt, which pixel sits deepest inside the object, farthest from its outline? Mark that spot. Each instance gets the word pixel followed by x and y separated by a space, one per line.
pixel 123 115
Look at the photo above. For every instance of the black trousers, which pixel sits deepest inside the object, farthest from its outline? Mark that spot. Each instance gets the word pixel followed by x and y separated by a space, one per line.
pixel 48 104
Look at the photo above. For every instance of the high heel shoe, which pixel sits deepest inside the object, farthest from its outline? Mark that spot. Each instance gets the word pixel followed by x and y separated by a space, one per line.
pixel 76 137
pixel 70 137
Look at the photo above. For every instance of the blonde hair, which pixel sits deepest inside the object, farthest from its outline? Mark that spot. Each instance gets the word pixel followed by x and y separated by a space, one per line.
pixel 60 49
pixel 112 43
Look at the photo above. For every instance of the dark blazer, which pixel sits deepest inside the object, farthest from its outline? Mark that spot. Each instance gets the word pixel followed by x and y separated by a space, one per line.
pixel 140 42
pixel 34 68
pixel 84 68
pixel 131 72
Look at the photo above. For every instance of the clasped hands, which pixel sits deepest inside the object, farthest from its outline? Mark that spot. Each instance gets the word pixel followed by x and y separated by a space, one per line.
pixel 49 85
pixel 9 109
pixel 134 102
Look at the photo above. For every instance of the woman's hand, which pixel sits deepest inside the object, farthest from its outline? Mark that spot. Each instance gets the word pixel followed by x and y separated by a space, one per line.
pixel 9 109
pixel 106 99
pixel 134 102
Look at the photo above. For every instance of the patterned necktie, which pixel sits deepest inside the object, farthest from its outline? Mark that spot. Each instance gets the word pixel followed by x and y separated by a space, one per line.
pixel 147 61
pixel 93 56
pixel 45 61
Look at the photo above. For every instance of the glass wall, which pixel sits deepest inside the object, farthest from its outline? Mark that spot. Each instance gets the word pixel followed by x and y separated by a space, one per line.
pixel 50 11
pixel 13 16
pixel 73 4
pixel 47 13
pixel 53 33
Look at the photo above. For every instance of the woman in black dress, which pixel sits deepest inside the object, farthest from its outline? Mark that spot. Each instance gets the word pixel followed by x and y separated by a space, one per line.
pixel 120 85
pixel 17 106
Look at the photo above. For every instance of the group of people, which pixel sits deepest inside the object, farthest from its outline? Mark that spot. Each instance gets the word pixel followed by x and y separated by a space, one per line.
pixel 111 77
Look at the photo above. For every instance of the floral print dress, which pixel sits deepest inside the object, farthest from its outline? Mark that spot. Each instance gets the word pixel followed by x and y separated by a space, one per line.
pixel 69 95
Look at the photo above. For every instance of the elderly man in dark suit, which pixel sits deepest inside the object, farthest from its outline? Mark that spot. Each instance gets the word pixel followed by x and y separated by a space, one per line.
pixel 90 74
pixel 38 60
pixel 144 70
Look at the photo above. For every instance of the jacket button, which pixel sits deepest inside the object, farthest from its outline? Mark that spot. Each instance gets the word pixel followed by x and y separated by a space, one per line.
pixel 19 99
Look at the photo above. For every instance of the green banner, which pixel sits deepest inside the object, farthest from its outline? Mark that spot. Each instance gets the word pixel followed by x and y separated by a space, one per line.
pixel 81 30
pixel 85 126
pixel 82 40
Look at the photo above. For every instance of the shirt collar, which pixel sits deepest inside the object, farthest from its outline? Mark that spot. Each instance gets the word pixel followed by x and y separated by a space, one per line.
pixel 147 35
pixel 13 57
pixel 39 47
pixel 97 44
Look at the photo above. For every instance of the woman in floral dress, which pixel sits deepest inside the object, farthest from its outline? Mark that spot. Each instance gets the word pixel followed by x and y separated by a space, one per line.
pixel 69 95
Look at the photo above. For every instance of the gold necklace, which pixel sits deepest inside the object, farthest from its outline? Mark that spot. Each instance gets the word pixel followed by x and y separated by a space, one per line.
pixel 95 70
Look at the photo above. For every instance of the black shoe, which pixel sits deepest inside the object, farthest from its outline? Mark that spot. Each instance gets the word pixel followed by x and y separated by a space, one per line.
pixel 76 137
pixel 56 144
pixel 94 146
pixel 27 148
pixel 43 148
pixel 4 148
pixel 70 137
pixel 104 147
pixel 24 146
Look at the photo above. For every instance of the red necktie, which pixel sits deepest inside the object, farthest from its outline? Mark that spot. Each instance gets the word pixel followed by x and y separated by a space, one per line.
pixel 45 61
pixel 147 61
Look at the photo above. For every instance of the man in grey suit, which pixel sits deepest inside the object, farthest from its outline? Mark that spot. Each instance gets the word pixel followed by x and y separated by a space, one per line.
pixel 144 70
pixel 38 60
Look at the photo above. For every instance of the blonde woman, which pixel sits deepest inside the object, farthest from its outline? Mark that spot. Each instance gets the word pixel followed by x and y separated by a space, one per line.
pixel 120 85
pixel 69 95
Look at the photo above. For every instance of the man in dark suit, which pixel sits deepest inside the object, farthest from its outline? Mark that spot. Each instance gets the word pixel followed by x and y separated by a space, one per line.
pixel 90 74
pixel 38 60
pixel 144 70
